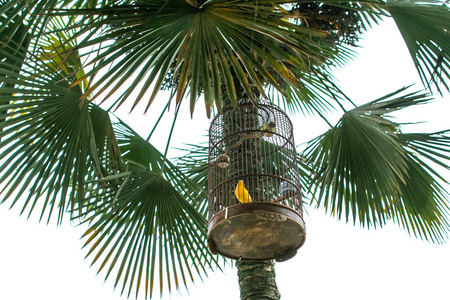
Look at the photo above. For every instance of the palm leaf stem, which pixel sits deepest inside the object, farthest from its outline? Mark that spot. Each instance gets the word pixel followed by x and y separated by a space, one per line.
pixel 169 138
pixel 164 110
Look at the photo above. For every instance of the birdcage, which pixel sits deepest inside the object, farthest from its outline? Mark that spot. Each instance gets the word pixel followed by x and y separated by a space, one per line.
pixel 255 201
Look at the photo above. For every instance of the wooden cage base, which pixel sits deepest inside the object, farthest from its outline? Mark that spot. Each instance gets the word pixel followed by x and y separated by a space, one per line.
pixel 256 231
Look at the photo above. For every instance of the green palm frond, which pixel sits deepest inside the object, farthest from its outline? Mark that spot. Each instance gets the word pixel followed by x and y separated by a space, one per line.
pixel 14 32
pixel 368 12
pixel 48 147
pixel 426 153
pixel 108 149
pixel 144 223
pixel 421 207
pixel 137 150
pixel 59 54
pixel 25 20
pixel 220 48
pixel 65 152
pixel 431 146
pixel 424 26
pixel 194 163
pixel 364 171
pixel 305 173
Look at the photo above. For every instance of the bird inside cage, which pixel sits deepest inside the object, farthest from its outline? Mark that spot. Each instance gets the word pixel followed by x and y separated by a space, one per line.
pixel 269 128
pixel 287 189
pixel 242 193
pixel 223 161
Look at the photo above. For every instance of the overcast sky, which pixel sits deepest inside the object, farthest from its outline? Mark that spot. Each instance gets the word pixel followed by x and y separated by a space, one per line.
pixel 338 260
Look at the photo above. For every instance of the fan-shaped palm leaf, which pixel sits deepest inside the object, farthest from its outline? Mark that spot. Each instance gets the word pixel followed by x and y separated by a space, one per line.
pixel 421 206
pixel 424 148
pixel 424 26
pixel 214 47
pixel 139 151
pixel 14 33
pixel 143 220
pixel 56 146
pixel 48 140
pixel 194 163
pixel 364 169
pixel 204 49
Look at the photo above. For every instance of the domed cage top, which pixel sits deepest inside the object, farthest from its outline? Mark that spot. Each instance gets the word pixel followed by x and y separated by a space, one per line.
pixel 255 201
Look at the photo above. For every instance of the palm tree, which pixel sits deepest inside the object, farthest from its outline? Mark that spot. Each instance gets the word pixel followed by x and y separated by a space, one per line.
pixel 63 149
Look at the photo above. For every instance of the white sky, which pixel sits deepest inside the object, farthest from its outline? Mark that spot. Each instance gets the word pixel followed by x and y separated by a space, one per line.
pixel 338 260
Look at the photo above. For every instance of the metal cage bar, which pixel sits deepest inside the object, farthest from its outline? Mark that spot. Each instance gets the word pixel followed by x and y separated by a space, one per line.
pixel 255 144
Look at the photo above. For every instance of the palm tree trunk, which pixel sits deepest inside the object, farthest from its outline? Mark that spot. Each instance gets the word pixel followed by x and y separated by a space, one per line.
pixel 257 280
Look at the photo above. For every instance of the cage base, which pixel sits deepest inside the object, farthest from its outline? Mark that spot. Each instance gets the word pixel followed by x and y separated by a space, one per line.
pixel 256 231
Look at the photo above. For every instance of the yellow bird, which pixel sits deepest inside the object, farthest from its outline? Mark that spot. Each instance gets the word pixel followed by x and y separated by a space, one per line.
pixel 242 193
pixel 269 128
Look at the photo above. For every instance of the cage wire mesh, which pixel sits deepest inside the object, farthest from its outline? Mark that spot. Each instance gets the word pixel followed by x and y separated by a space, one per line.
pixel 255 144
